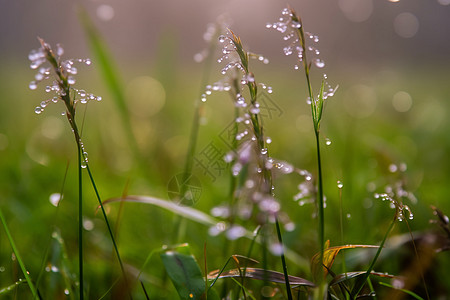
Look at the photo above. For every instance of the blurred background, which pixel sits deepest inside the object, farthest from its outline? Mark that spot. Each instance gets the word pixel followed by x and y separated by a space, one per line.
pixel 388 122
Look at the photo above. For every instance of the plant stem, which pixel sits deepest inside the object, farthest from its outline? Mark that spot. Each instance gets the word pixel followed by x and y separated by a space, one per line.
pixel 320 208
pixel 116 249
pixel 283 262
pixel 80 218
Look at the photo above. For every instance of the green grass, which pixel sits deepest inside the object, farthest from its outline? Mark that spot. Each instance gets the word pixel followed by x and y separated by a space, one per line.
pixel 38 148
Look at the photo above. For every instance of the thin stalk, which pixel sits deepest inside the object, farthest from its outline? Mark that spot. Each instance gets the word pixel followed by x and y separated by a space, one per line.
pixel 116 249
pixel 19 258
pixel 320 208
pixel 316 112
pixel 422 277
pixel 267 174
pixel 283 262
pixel 80 220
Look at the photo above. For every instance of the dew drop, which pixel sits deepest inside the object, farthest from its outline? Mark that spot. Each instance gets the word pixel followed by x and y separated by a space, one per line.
pixel 222 38
pixel 33 85
pixel 340 185
pixel 71 80
pixel 268 140
pixel 296 24
pixel 327 141
pixel 88 62
pixel 349 216
pixel 264 151
pixel 319 63
pixel 55 198
pixel 203 98
pixel 393 168
pixel 38 110
pixel 66 292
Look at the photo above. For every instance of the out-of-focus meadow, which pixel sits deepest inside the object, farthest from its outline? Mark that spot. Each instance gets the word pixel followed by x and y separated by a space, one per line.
pixel 387 123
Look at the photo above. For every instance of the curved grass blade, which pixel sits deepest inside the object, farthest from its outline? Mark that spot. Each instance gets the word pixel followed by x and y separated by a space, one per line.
pixel 19 258
pixel 261 274
pixel 187 212
pixel 184 272
pixel 199 217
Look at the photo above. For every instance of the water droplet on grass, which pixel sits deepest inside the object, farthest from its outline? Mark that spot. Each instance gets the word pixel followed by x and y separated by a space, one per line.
pixel 340 185
pixel 319 63
pixel 33 85
pixel 55 198
pixel 327 141
pixel 393 168
pixel 38 110
pixel 71 80
pixel 222 38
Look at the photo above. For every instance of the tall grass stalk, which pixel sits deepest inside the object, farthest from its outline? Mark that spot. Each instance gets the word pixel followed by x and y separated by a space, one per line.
pixel 65 93
pixel 316 112
pixel 25 272
pixel 261 143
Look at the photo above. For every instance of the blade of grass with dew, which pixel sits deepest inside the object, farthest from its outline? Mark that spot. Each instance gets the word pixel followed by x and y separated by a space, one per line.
pixel 4 291
pixel 19 258
pixel 184 272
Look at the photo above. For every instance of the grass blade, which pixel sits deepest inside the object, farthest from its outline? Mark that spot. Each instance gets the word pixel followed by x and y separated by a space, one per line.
pixel 19 258
pixel 260 274
pixel 187 212
pixel 9 288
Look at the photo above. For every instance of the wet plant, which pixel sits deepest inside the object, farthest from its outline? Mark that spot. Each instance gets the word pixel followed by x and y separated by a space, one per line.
pixel 245 229
pixel 62 74
pixel 290 25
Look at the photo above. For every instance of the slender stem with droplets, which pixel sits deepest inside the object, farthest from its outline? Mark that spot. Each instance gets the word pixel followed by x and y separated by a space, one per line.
pixel 82 161
pixel 261 143
pixel 316 111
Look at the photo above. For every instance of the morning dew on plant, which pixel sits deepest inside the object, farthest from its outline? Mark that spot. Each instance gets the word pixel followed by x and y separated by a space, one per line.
pixel 47 61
